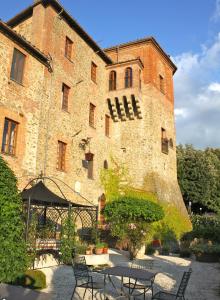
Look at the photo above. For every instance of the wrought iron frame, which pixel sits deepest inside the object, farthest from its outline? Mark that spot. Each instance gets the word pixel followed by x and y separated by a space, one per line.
pixel 87 214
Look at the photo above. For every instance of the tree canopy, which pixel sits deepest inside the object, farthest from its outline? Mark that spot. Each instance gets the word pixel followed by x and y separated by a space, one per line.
pixel 13 259
pixel 199 176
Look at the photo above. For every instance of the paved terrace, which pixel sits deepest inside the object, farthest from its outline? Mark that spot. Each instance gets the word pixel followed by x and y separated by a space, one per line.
pixel 204 283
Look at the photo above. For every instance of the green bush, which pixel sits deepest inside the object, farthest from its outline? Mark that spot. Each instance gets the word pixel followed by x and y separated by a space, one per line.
pixel 13 252
pixel 33 279
pixel 129 220
pixel 68 239
pixel 206 248
pixel 150 250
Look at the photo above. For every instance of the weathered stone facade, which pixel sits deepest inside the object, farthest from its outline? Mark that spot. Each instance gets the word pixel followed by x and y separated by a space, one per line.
pixel 137 113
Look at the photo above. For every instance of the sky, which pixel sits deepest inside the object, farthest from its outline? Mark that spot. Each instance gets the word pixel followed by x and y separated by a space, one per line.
pixel 188 30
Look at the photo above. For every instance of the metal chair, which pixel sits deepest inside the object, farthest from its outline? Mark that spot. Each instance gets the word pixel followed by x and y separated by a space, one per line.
pixel 162 295
pixel 137 288
pixel 84 278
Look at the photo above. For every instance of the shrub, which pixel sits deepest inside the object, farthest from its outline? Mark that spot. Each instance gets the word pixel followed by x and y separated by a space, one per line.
pixel 68 239
pixel 150 250
pixel 206 248
pixel 13 252
pixel 129 219
pixel 33 279
pixel 185 253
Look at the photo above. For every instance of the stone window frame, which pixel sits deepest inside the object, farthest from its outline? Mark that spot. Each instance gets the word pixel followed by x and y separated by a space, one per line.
pixel 93 72
pixel 68 48
pixel 92 110
pixel 17 66
pixel 9 138
pixel 128 77
pixel 164 141
pixel 112 80
pixel 65 96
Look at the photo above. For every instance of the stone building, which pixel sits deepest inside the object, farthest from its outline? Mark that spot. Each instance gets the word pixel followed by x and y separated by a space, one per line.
pixel 67 106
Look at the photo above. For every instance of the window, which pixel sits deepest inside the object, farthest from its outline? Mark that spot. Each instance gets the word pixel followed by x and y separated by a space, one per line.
pixel 128 78
pixel 105 165
pixel 161 84
pixel 61 157
pixel 92 115
pixel 17 67
pixel 164 141
pixel 93 71
pixel 68 48
pixel 9 137
pixel 90 167
pixel 65 96
pixel 107 125
pixel 112 81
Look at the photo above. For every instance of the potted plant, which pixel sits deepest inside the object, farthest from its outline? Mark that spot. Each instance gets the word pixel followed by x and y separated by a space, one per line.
pixel 206 252
pixel 89 250
pixel 99 248
pixel 105 248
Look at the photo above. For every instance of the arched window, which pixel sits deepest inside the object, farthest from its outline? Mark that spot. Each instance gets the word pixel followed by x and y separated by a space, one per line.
pixel 105 165
pixel 112 81
pixel 128 77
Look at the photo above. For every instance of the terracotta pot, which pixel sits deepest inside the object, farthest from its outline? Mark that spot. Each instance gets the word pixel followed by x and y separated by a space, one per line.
pixel 98 250
pixel 105 250
pixel 156 243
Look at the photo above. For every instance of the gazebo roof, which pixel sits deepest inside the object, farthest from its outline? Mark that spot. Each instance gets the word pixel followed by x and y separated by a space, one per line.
pixel 39 194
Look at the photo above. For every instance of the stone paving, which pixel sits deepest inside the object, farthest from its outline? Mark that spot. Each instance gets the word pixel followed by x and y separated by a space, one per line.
pixel 204 283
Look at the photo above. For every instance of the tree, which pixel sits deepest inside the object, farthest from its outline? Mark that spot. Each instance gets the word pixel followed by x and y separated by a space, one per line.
pixel 13 255
pixel 129 220
pixel 199 176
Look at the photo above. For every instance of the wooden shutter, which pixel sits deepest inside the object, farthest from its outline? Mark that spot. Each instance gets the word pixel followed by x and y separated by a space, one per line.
pixel 93 71
pixel 107 125
pixel 61 156
pixel 65 96
pixel 68 48
pixel 17 68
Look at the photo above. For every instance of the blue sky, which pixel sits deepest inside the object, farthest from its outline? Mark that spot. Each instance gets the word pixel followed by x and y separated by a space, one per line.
pixel 188 30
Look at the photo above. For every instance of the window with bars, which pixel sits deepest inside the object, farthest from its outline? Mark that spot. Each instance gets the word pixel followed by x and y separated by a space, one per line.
pixel 162 88
pixel 92 115
pixel 61 156
pixel 9 137
pixel 68 48
pixel 128 77
pixel 65 96
pixel 93 71
pixel 17 67
pixel 112 81
pixel 107 125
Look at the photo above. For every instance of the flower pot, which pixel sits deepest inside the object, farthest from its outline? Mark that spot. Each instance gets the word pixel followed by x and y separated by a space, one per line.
pixel 98 251
pixel 207 257
pixel 105 250
pixel 156 243
pixel 88 252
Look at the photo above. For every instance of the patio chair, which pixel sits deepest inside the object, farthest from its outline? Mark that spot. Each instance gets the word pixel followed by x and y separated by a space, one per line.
pixel 84 278
pixel 163 295
pixel 137 288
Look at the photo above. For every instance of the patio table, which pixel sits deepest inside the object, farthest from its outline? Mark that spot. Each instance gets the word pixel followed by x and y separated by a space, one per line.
pixel 120 271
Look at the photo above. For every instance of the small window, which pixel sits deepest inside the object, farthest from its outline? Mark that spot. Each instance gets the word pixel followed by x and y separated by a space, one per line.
pixel 107 125
pixel 9 137
pixel 128 77
pixel 65 96
pixel 105 165
pixel 61 157
pixel 17 67
pixel 90 167
pixel 68 48
pixel 93 71
pixel 162 89
pixel 112 81
pixel 92 115
pixel 164 141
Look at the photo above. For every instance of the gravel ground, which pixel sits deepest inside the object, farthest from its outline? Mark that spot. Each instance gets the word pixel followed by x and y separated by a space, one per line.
pixel 203 285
